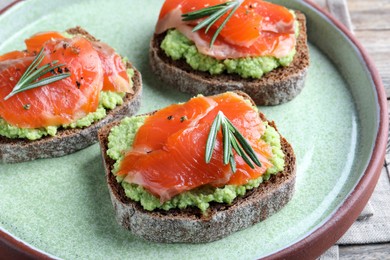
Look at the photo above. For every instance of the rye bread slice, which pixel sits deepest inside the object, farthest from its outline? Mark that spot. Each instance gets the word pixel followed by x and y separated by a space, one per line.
pixel 276 87
pixel 190 225
pixel 67 141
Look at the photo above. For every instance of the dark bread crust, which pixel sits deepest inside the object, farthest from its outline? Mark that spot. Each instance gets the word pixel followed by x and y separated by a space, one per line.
pixel 80 31
pixel 189 225
pixel 67 141
pixel 275 87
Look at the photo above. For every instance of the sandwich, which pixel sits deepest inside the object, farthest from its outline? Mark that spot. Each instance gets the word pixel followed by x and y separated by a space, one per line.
pixel 59 91
pixel 212 46
pixel 198 171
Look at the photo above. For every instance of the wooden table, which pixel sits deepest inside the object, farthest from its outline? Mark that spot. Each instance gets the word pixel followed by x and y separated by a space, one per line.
pixel 370 21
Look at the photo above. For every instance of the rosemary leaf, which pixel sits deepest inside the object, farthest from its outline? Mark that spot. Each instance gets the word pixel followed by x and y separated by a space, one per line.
pixel 38 59
pixel 233 165
pixel 215 19
pixel 212 18
pixel 224 23
pixel 235 145
pixel 213 14
pixel 30 78
pixel 232 139
pixel 212 136
pixel 241 152
pixel 203 12
pixel 247 160
pixel 226 142
pixel 47 81
pixel 245 145
pixel 50 68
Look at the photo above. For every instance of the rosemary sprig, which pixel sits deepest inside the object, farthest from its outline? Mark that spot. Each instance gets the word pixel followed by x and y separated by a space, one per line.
pixel 232 139
pixel 214 13
pixel 30 78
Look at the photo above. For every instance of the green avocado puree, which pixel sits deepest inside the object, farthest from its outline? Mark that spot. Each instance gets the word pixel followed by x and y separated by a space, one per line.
pixel 107 100
pixel 121 138
pixel 177 46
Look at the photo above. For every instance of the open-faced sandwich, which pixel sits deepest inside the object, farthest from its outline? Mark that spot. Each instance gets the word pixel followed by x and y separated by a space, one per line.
pixel 213 46
pixel 56 94
pixel 197 171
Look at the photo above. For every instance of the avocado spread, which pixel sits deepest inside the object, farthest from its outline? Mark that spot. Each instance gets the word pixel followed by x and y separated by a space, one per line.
pixel 177 46
pixel 121 138
pixel 107 100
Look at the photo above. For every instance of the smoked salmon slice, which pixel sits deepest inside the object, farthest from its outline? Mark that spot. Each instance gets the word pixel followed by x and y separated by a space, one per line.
pixel 115 77
pixel 14 55
pixel 35 42
pixel 257 28
pixel 60 102
pixel 94 66
pixel 153 137
pixel 167 156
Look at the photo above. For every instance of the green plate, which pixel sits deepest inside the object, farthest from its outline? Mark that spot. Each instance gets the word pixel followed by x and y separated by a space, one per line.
pixel 61 206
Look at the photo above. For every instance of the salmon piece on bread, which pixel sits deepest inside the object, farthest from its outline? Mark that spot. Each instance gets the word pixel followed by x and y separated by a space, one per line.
pixel 62 102
pixel 191 224
pixel 270 87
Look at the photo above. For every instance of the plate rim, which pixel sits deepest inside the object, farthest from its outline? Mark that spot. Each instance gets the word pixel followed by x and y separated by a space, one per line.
pixel 326 235
pixel 318 241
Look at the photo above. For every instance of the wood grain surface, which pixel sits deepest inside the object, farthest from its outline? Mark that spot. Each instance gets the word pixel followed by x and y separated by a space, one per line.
pixel 371 22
